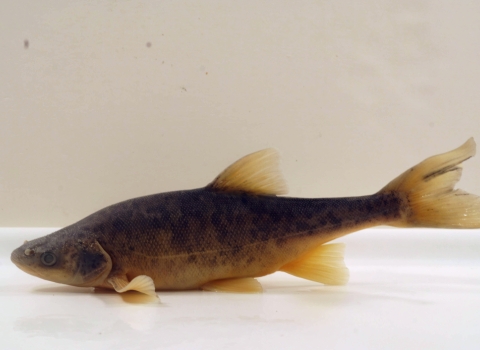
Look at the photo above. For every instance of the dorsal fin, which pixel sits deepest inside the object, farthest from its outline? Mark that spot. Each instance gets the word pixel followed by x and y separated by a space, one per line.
pixel 256 173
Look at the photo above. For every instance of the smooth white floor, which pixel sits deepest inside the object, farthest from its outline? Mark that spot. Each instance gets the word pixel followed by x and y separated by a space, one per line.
pixel 409 289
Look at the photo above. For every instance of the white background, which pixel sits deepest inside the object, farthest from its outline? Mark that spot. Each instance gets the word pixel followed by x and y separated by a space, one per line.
pixel 118 99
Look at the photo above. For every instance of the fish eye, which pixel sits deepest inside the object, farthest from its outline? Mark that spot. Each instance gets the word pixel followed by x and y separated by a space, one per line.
pixel 48 258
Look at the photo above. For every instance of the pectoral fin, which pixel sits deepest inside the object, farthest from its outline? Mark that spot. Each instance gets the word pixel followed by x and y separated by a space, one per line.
pixel 234 285
pixel 324 264
pixel 142 284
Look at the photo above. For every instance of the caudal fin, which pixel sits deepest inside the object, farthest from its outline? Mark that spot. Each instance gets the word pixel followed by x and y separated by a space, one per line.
pixel 429 197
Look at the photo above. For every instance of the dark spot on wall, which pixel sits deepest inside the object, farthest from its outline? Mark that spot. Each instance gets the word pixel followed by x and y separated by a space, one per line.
pixel 149 44
pixel 26 44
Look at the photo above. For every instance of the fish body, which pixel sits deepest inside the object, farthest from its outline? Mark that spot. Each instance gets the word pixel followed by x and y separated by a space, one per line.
pixel 237 228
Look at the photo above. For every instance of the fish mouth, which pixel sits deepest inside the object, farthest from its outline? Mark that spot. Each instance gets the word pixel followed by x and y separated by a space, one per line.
pixel 26 269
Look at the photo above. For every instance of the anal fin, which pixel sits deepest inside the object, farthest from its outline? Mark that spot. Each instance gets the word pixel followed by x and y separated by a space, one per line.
pixel 142 284
pixel 234 285
pixel 323 264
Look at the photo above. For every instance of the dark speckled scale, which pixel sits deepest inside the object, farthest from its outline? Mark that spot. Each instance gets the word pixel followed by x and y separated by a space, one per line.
pixel 172 234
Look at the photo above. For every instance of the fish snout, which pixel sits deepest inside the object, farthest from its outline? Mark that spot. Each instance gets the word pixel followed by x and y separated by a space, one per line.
pixel 16 256
pixel 23 257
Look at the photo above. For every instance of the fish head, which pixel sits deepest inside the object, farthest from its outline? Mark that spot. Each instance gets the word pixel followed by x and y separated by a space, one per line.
pixel 64 258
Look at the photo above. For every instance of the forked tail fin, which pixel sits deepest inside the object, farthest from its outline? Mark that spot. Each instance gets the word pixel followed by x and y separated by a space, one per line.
pixel 429 197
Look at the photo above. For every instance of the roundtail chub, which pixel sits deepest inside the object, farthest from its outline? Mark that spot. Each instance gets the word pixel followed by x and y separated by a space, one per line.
pixel 221 237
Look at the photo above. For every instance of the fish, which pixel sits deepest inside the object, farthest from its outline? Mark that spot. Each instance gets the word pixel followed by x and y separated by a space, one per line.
pixel 224 236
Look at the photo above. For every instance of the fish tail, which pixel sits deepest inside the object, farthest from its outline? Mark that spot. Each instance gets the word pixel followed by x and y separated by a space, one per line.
pixel 429 197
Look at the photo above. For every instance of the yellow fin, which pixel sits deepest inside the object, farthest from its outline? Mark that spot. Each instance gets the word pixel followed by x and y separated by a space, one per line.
pixel 430 194
pixel 323 264
pixel 234 285
pixel 142 284
pixel 256 173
